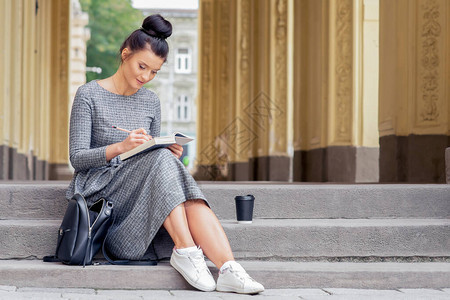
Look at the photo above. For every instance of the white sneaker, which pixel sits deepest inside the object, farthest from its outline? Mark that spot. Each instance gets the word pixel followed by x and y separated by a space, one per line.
pixel 193 268
pixel 235 279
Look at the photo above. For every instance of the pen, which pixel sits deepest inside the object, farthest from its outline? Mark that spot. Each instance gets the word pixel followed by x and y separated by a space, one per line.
pixel 115 127
pixel 129 131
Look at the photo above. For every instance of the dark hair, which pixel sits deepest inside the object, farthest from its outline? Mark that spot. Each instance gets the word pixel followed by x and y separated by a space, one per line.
pixel 154 31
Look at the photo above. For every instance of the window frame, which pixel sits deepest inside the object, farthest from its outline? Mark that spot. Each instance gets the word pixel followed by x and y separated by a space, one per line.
pixel 183 61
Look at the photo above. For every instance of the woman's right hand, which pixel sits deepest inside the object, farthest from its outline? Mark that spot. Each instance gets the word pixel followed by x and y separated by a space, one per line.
pixel 134 139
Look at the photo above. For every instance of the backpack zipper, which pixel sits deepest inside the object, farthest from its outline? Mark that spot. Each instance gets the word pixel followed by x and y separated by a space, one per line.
pixel 89 222
pixel 99 214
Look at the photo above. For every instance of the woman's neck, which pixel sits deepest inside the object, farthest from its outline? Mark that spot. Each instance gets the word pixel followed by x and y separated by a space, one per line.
pixel 120 84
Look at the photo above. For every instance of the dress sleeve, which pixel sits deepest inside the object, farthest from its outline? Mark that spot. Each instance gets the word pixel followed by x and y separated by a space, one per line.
pixel 155 127
pixel 82 157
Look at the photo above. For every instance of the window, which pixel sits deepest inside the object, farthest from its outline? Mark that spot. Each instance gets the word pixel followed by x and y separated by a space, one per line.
pixel 183 61
pixel 182 108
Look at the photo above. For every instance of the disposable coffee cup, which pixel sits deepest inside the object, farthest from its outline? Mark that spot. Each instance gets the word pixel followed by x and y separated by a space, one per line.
pixel 244 208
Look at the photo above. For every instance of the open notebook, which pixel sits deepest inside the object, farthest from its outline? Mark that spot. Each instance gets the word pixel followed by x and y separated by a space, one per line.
pixel 158 142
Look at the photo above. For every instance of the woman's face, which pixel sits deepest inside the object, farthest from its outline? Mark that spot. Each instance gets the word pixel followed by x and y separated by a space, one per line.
pixel 140 67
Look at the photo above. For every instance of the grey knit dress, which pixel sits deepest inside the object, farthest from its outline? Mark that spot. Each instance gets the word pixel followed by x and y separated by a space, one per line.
pixel 145 188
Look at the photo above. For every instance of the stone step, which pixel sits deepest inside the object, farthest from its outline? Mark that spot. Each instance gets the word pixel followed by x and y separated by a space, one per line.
pixel 273 275
pixel 33 200
pixel 45 200
pixel 333 201
pixel 278 239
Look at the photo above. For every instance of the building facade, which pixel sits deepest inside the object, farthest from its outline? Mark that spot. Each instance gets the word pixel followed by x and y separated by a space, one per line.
pixel 288 90
pixel 324 90
pixel 176 82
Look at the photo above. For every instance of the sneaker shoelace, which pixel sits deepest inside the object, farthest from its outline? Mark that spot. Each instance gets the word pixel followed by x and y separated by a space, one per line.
pixel 241 274
pixel 199 262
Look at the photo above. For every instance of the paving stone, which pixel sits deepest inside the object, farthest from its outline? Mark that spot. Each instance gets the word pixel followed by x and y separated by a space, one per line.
pixel 195 293
pixel 44 291
pixel 379 297
pixel 162 298
pixel 75 296
pixel 341 291
pixel 235 296
pixel 5 294
pixel 157 295
pixel 358 297
pixel 33 296
pixel 280 294
pixel 121 295
pixel 370 297
pixel 56 290
pixel 425 292
pixel 217 295
pixel 135 293
pixel 200 296
pixel 262 297
pixel 294 292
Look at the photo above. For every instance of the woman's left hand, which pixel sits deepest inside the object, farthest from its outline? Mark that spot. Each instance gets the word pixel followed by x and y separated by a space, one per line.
pixel 176 149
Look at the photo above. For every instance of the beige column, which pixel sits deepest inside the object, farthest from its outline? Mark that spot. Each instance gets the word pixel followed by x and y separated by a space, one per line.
pixel 270 108
pixel 29 101
pixel 224 76
pixel 243 135
pixel 18 161
pixel 257 114
pixel 59 98
pixel 414 89
pixel 17 85
pixel 302 11
pixel 32 83
pixel 207 152
pixel 245 90
pixel 224 93
pixel 335 98
pixel 5 41
pixel 42 130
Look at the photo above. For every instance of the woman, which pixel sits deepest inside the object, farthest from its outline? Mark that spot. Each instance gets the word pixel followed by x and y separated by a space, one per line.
pixel 156 202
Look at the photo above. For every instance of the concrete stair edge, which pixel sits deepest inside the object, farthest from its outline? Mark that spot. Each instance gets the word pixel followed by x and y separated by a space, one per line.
pixel 279 275
pixel 47 200
pixel 276 239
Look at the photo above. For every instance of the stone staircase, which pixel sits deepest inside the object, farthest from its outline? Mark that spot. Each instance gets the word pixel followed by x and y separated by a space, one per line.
pixel 303 236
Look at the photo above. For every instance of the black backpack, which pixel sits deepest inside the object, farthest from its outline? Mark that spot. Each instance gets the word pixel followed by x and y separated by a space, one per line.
pixel 82 231
pixel 82 234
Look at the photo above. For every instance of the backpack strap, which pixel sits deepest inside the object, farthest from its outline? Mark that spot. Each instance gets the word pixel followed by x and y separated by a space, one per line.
pixel 51 258
pixel 148 262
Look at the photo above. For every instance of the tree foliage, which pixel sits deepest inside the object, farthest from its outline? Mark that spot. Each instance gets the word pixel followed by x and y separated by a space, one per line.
pixel 110 22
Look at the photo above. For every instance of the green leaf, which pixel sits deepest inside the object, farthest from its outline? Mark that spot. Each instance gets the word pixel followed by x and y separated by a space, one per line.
pixel 110 23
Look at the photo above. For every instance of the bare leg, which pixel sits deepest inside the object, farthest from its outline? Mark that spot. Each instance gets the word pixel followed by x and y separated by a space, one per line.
pixel 207 232
pixel 193 221
pixel 176 225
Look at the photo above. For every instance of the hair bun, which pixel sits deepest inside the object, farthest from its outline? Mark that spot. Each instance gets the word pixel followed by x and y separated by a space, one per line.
pixel 157 26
